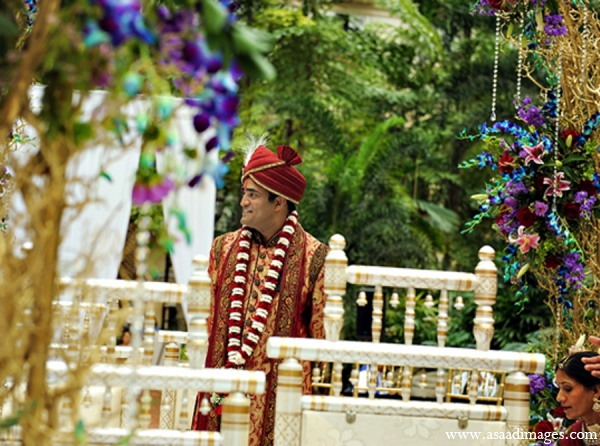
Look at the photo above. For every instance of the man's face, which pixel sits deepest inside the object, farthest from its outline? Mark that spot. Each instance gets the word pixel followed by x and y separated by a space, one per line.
pixel 257 212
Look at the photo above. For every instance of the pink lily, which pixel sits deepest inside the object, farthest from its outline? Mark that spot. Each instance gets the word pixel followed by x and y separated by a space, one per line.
pixel 556 185
pixel 526 241
pixel 534 153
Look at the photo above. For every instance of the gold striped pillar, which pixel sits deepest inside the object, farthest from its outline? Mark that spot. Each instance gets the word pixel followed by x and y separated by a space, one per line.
pixel 235 420
pixel 148 334
pixel 516 402
pixel 485 297
pixel 409 316
pixel 336 263
pixel 198 310
pixel 288 406
pixel 377 315
pixel 106 406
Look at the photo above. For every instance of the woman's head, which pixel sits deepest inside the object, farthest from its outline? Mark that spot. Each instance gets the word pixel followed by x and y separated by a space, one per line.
pixel 577 388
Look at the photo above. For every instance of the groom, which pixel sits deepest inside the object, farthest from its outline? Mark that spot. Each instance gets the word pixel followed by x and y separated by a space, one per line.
pixel 267 280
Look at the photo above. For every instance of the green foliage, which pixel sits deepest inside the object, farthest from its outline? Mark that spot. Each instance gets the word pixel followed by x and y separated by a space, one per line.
pixel 374 111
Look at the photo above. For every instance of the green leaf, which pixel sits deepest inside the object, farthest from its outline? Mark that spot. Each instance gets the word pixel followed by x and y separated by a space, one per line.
pixel 82 131
pixel 105 176
pixel 214 15
pixel 257 66
pixel 79 433
pixel 8 28
pixel 249 40
pixel 573 158
pixel 11 420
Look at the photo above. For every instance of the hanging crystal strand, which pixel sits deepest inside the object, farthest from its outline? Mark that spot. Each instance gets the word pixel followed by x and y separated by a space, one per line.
pixel 495 79
pixel 557 126
pixel 584 36
pixel 520 62
pixel 556 146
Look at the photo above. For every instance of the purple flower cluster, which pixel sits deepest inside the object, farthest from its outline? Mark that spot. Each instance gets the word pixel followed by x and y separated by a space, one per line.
pixel 554 26
pixel 121 20
pixel 537 383
pixel 531 114
pixel 572 270
pixel 585 203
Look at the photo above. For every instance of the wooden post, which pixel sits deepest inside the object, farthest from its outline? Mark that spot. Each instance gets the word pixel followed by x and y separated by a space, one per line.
pixel 235 420
pixel 288 412
pixel 485 297
pixel 516 401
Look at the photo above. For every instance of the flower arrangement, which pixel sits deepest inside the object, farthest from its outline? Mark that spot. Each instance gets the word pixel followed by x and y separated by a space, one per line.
pixel 544 192
pixel 547 416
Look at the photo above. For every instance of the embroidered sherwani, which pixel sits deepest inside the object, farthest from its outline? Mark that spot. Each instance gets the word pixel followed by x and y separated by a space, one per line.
pixel 297 311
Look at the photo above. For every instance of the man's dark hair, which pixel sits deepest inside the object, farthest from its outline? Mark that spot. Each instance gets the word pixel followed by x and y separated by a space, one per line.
pixel 291 206
pixel 574 368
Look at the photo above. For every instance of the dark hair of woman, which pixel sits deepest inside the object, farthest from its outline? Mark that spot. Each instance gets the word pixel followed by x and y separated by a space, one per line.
pixel 573 367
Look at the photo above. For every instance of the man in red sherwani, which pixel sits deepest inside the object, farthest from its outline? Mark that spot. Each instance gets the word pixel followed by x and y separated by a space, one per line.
pixel 267 280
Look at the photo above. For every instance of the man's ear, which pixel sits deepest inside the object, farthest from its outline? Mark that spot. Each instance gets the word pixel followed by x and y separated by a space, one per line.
pixel 279 202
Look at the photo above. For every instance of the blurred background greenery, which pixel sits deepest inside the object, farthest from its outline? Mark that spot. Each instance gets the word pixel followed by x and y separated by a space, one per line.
pixel 374 107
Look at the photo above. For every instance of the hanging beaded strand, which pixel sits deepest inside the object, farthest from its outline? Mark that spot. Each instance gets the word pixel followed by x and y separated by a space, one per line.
pixel 557 127
pixel 520 62
pixel 495 78
pixel 555 177
pixel 584 36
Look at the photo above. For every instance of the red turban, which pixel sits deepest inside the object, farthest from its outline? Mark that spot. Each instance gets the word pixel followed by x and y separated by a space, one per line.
pixel 276 173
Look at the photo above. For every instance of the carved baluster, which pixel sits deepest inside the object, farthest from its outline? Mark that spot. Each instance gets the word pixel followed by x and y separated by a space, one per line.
pixel 377 314
pixel 197 343
pixel 125 420
pixel 168 399
pixel 516 402
pixel 113 308
pixel 442 327
pixel 198 310
pixel 149 330
pixel 288 418
pixel 145 416
pixel 66 411
pixel 106 406
pixel 337 378
pixel 184 422
pixel 409 316
pixel 406 383
pixel 440 385
pixel 485 297
pixel 474 386
pixel 372 384
pixel 336 263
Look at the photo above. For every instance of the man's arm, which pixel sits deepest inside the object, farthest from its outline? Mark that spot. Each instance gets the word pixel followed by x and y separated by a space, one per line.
pixel 316 328
pixel 593 364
